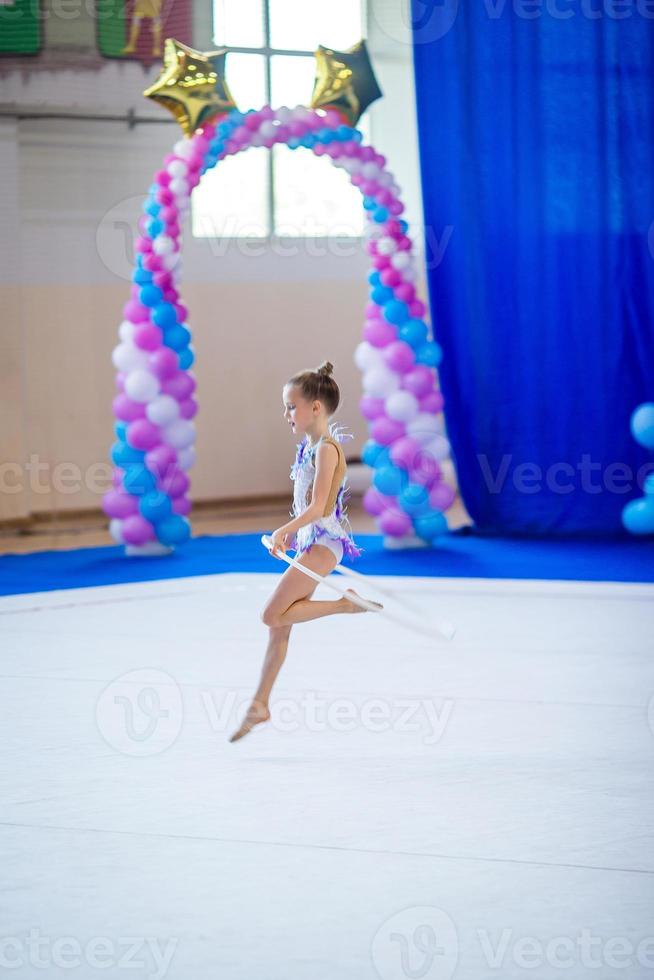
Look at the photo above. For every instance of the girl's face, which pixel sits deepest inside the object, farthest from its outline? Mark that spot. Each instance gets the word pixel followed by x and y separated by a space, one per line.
pixel 298 412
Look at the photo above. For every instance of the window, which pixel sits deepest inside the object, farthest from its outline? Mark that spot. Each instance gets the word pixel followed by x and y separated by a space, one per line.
pixel 282 192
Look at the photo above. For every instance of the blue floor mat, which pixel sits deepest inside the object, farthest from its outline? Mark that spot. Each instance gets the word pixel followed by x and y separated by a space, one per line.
pixel 460 555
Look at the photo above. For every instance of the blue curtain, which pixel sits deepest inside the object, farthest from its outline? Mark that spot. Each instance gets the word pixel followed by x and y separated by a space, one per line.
pixel 536 133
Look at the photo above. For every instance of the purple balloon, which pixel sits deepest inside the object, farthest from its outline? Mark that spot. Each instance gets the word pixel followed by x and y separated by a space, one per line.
pixel 188 409
pixel 135 312
pixel 419 381
pixel 164 363
pixel 395 523
pixel 384 430
pixel 136 530
pixel 147 336
pixel 442 496
pixel 181 386
pixel 426 470
pixel 175 483
pixel 405 452
pixel 117 478
pixel 399 356
pixel 379 333
pixel 117 504
pixel 182 505
pixel 371 408
pixel 374 502
pixel 143 434
pixel 160 459
pixel 432 403
pixel 126 410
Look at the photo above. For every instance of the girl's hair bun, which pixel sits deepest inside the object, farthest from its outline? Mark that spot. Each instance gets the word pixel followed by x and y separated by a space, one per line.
pixel 326 368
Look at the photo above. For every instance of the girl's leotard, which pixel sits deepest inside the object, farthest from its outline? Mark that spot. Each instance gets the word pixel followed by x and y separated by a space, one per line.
pixel 334 523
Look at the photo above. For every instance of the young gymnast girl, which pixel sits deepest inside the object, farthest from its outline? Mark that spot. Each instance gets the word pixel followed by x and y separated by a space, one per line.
pixel 319 532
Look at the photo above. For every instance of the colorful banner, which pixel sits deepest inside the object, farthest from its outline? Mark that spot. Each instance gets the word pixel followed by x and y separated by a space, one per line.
pixel 136 29
pixel 20 27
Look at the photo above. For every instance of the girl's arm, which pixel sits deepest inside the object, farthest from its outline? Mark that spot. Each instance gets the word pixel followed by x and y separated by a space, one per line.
pixel 326 463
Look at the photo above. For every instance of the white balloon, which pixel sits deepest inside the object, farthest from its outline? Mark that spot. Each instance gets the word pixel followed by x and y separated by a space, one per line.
pixel 355 165
pixel 380 381
pixel 177 168
pixel 267 128
pixel 186 457
pixel 385 246
pixel 400 260
pixel 179 187
pixel 163 245
pixel 256 139
pixel 116 530
pixel 423 428
pixel 179 434
pixel 410 272
pixel 385 178
pixel 402 406
pixel 439 448
pixel 141 386
pixel 170 261
pixel 126 331
pixel 370 170
pixel 184 148
pixel 127 357
pixel 162 410
pixel 284 114
pixel 366 356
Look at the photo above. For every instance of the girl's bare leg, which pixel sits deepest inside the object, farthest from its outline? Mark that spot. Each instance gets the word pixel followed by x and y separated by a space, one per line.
pixel 259 711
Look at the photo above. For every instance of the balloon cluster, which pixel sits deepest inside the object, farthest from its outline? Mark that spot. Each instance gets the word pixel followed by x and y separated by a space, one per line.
pixel 155 406
pixel 638 515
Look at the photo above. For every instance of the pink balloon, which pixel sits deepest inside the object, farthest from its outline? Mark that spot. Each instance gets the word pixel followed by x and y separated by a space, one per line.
pixel 373 502
pixel 117 504
pixel 371 311
pixel 406 292
pixel 396 207
pixel 182 505
pixel 368 188
pixel 168 215
pixel 381 262
pixel 162 177
pixel 334 150
pixel 417 309
pixel 390 277
pixel 143 434
pixel 161 459
pixel 395 523
pixel 162 279
pixel 379 333
pixel 165 197
pixel 399 356
pixel 426 470
pixel 432 403
pixel 126 410
pixel 135 312
pixel 371 408
pixel 119 380
pixel 419 381
pixel 143 244
pixel 404 243
pixel 152 262
pixel 404 452
pixel 181 312
pixel 181 386
pixel 188 409
pixel 367 154
pixel 355 179
pixel 175 483
pixel 147 336
pixel 384 430
pixel 136 530
pixel 164 363
pixel 332 119
pixel 442 496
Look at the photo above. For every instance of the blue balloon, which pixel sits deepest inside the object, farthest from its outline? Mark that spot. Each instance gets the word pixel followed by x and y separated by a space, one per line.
pixel 381 214
pixel 150 296
pixel 344 133
pixel 642 425
pixel 369 203
pixel 142 277
pixel 374 277
pixel 414 332
pixel 186 358
pixel 404 226
pixel 389 480
pixel 648 485
pixel 138 479
pixel 152 208
pixel 155 227
pixel 638 516
pixel 429 354
pixel 381 295
pixel 324 135
pixel 356 135
pixel 371 452
pixel 177 337
pixel 155 506
pixel 164 315
pixel 429 526
pixel 120 428
pixel 293 143
pixel 308 140
pixel 173 530
pixel 122 454
pixel 395 311
pixel 414 500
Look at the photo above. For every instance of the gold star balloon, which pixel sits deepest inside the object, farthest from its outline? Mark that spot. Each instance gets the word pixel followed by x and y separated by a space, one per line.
pixel 345 81
pixel 192 85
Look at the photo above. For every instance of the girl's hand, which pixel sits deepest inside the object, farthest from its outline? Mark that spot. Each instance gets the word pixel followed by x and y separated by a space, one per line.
pixel 279 540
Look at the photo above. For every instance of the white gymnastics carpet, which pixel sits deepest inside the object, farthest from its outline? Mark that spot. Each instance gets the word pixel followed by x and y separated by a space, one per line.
pixel 415 809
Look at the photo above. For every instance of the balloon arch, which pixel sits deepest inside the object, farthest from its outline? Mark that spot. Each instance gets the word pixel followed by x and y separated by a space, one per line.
pixel 149 505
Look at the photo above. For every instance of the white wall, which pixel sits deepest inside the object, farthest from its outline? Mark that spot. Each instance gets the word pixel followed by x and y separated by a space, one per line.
pixel 69 200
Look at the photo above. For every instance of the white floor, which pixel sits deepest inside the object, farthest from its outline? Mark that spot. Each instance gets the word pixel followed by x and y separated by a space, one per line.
pixel 476 809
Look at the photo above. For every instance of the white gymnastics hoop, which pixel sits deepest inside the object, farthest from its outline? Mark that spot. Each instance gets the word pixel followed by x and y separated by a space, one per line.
pixel 443 629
